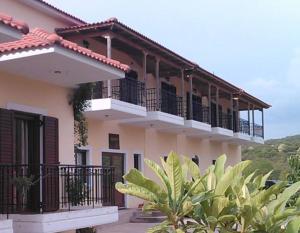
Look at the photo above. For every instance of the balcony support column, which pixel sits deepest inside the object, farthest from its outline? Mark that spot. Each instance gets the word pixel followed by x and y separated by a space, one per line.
pixel 231 111
pixel 191 97
pixel 209 103
pixel 182 92
pixel 238 115
pixel 145 66
pixel 108 54
pixel 253 121
pixel 158 85
pixel 249 124
pixel 263 123
pixel 217 107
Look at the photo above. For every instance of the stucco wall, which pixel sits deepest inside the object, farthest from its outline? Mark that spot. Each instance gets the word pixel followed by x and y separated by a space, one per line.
pixel 154 144
pixel 53 99
pixel 29 15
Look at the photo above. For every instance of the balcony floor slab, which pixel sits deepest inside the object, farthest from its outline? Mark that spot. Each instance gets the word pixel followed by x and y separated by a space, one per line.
pixel 157 120
pixel 241 139
pixel 6 226
pixel 257 140
pixel 220 134
pixel 64 220
pixel 112 109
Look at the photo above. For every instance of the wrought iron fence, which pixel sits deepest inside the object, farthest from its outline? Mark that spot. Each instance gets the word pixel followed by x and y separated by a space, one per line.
pixel 45 188
pixel 127 90
pixel 168 102
pixel 225 120
pixel 258 130
pixel 244 126
pixel 200 113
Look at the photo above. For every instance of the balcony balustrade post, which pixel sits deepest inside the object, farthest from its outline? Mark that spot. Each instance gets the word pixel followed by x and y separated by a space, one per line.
pixel 191 97
pixel 145 66
pixel 158 89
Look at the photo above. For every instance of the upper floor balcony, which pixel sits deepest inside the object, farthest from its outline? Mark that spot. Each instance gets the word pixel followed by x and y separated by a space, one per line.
pixel 52 198
pixel 118 99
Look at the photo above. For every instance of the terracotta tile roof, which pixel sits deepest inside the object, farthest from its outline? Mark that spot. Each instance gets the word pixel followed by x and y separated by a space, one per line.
pixel 38 38
pixel 190 65
pixel 13 23
pixel 60 11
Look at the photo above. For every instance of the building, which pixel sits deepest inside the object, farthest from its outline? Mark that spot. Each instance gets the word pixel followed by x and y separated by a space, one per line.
pixel 146 101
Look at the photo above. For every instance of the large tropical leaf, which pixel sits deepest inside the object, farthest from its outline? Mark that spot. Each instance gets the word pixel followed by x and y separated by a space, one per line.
pixel 134 176
pixel 229 176
pixel 193 168
pixel 293 226
pixel 174 173
pixel 136 191
pixel 220 167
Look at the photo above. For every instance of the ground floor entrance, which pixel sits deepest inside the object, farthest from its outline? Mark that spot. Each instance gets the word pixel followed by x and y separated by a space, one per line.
pixel 117 161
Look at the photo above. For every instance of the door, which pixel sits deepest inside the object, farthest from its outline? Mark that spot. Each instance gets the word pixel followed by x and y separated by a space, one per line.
pixel 168 98
pixel 213 115
pixel 129 88
pixel 197 107
pixel 27 159
pixel 115 160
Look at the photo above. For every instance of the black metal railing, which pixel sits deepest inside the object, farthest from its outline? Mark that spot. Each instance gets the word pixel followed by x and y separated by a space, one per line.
pixel 200 113
pixel 127 90
pixel 47 188
pixel 244 126
pixel 225 120
pixel 258 130
pixel 167 102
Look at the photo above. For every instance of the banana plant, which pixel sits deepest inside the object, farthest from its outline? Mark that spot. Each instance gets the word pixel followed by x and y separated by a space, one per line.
pixel 222 200
pixel 173 196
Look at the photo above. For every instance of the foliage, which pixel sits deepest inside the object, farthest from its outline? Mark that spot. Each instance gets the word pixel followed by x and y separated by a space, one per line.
pixel 268 158
pixel 223 199
pixel 23 184
pixel 79 101
pixel 76 189
pixel 294 175
pixel 86 230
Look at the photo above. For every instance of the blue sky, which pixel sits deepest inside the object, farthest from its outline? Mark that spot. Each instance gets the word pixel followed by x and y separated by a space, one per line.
pixel 254 44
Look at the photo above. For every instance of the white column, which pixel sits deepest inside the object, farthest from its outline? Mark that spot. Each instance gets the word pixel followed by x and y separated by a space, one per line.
pixel 108 54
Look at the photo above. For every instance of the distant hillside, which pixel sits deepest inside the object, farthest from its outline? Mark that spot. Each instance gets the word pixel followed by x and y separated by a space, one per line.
pixel 273 155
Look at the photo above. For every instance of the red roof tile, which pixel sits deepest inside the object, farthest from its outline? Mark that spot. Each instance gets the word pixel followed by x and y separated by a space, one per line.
pixel 38 38
pixel 15 24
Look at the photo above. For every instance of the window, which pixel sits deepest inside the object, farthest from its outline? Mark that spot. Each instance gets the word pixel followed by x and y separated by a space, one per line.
pixel 114 141
pixel 137 161
pixel 196 159
pixel 80 157
pixel 214 162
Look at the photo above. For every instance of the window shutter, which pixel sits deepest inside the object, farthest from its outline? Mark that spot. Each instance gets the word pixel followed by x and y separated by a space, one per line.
pixel 50 172
pixel 6 136
pixel 6 157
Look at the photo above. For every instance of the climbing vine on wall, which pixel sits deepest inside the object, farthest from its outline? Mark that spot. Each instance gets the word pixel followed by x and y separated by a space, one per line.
pixel 79 101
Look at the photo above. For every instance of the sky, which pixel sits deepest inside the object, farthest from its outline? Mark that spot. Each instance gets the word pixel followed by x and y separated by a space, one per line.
pixel 254 44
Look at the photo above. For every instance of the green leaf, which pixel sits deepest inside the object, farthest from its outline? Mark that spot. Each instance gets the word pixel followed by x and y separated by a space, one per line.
pixel 160 173
pixel 136 191
pixel 229 176
pixel 193 168
pixel 174 173
pixel 293 226
pixel 136 177
pixel 220 167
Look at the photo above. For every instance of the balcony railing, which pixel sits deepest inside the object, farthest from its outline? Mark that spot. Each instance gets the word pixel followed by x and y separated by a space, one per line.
pixel 258 130
pixel 47 188
pixel 168 102
pixel 200 113
pixel 244 126
pixel 224 121
pixel 127 90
